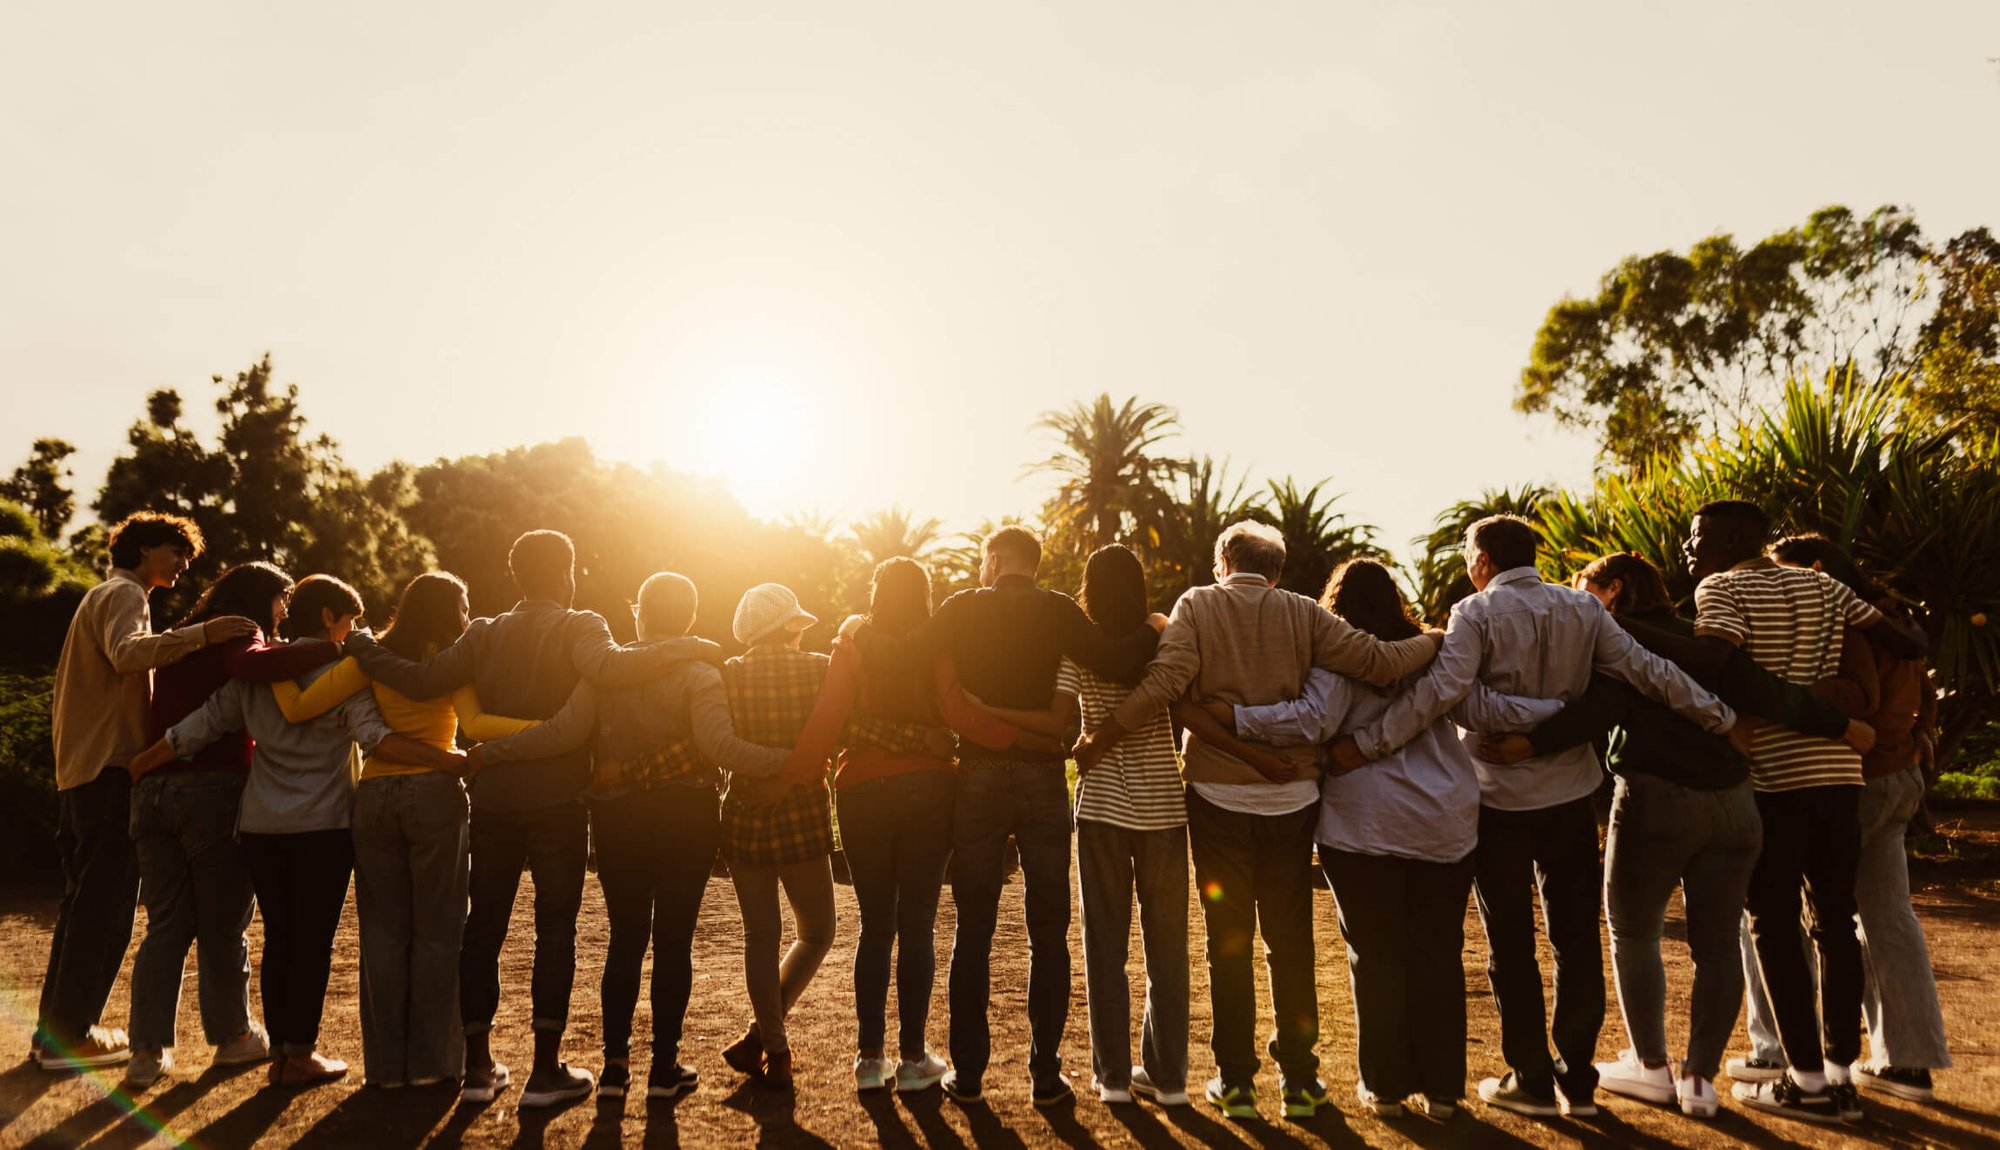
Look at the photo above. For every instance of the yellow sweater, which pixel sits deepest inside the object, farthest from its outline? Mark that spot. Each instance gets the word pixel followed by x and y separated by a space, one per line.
pixel 434 721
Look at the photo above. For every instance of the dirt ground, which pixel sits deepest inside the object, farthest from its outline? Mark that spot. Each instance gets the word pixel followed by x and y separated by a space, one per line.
pixel 1958 899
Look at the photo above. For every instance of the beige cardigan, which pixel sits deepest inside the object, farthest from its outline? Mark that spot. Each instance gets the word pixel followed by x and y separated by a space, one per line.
pixel 1245 642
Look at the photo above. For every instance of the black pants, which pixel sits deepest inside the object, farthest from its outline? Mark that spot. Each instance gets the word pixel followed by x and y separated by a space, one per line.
pixel 1404 922
pixel 896 834
pixel 1812 839
pixel 1030 803
pixel 655 850
pixel 553 843
pixel 1552 851
pixel 301 885
pixel 100 897
pixel 1255 873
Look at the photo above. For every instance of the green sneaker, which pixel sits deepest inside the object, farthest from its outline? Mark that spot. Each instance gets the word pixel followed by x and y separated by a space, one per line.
pixel 1233 1101
pixel 1303 1099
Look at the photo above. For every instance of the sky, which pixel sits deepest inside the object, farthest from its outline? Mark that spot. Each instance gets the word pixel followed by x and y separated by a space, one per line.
pixel 843 255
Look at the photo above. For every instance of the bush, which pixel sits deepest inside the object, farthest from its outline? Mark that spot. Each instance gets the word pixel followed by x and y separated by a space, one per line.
pixel 27 771
pixel 16 523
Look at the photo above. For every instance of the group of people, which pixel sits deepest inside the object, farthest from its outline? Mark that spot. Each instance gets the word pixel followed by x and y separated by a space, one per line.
pixel 1766 756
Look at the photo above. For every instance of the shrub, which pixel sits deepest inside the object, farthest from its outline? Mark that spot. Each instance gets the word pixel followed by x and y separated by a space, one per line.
pixel 27 771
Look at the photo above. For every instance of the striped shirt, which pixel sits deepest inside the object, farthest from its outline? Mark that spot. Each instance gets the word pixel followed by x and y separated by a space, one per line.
pixel 1138 784
pixel 1792 621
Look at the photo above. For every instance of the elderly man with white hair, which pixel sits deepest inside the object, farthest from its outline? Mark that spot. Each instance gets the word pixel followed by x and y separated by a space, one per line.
pixel 1245 641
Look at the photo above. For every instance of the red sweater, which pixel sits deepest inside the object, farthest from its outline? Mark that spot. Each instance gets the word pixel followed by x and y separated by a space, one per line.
pixel 179 690
pixel 837 699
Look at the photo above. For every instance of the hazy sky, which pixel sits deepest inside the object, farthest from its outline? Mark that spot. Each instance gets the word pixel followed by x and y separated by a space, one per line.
pixel 843 254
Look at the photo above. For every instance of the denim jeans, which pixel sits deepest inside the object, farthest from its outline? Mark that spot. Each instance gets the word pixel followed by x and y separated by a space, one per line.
pixel 1553 852
pixel 655 849
pixel 197 892
pixel 301 884
pixel 553 843
pixel 896 834
pixel 410 876
pixel 1705 842
pixel 1111 864
pixel 1899 1001
pixel 1404 922
pixel 1255 873
pixel 1028 802
pixel 100 899
pixel 1812 840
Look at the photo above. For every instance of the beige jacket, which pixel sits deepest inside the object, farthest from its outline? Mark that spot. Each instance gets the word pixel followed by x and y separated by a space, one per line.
pixel 104 680
pixel 1245 642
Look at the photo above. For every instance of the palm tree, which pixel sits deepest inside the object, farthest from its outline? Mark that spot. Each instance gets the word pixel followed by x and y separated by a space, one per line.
pixel 894 532
pixel 1317 538
pixel 1205 500
pixel 1113 486
pixel 1440 579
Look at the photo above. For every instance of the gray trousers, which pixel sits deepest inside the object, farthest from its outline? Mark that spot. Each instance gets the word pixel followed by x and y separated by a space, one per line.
pixel 410 877
pixel 1900 1002
pixel 196 890
pixel 1111 864
pixel 1705 842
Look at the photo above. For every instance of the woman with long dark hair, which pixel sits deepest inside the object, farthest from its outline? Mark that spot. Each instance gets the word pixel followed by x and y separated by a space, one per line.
pixel 410 839
pixel 294 821
pixel 1395 839
pixel 895 819
pixel 192 875
pixel 1131 838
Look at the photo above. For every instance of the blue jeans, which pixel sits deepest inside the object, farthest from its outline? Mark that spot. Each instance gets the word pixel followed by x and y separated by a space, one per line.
pixel 94 919
pixel 410 877
pixel 896 834
pixel 1028 802
pixel 197 891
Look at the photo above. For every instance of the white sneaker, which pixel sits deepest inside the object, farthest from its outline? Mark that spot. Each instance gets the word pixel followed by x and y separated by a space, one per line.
pixel 483 1088
pixel 873 1073
pixel 1374 1104
pixel 1697 1096
pixel 147 1067
pixel 1112 1095
pixel 1634 1079
pixel 1143 1086
pixel 252 1046
pixel 921 1074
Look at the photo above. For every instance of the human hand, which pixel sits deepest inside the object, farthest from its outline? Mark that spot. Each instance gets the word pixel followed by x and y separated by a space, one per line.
pixel 1088 752
pixel 223 628
pixel 608 773
pixel 1157 622
pixel 760 794
pixel 939 743
pixel 1273 767
pixel 1221 712
pixel 475 760
pixel 1506 750
pixel 1345 754
pixel 152 758
pixel 1859 735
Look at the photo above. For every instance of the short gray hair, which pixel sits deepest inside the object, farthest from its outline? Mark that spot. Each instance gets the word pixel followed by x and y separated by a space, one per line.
pixel 1251 547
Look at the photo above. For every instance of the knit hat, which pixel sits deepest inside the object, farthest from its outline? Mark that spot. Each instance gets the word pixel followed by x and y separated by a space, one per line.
pixel 766 609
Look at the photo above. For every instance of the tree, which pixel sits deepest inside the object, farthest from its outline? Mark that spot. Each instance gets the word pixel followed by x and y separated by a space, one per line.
pixel 1205 500
pixel 1677 347
pixel 165 468
pixel 41 486
pixel 1440 580
pixel 1960 379
pixel 1317 538
pixel 893 532
pixel 1113 487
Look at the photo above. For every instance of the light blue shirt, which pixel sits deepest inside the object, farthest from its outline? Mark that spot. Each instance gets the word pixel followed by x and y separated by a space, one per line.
pixel 1536 640
pixel 301 774
pixel 1421 801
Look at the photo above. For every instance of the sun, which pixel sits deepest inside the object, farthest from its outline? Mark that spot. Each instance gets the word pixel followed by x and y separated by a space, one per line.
pixel 756 435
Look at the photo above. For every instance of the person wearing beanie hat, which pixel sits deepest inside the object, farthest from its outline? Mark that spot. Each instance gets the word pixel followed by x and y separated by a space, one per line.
pixel 769 611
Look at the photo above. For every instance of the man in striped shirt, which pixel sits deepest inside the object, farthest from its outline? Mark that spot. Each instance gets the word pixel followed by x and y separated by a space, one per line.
pixel 1793 621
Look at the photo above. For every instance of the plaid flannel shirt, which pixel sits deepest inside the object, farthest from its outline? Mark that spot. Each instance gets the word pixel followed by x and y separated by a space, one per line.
pixel 772 689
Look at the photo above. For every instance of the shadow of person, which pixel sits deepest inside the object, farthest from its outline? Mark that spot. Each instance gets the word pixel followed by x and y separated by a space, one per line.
pixel 248 1120
pixel 1461 1129
pixel 388 1119
pixel 772 1109
pixel 926 1109
pixel 146 1122
pixel 20 1086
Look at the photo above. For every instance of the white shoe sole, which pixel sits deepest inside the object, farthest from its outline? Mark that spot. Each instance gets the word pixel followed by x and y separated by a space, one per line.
pixel 537 1099
pixel 60 1063
pixel 1642 1091
pixel 490 1091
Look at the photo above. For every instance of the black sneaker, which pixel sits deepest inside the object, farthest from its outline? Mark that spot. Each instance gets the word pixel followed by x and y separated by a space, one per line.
pixel 1914 1085
pixel 614 1079
pixel 964 1091
pixel 1783 1096
pixel 1846 1101
pixel 670 1080
pixel 1053 1090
